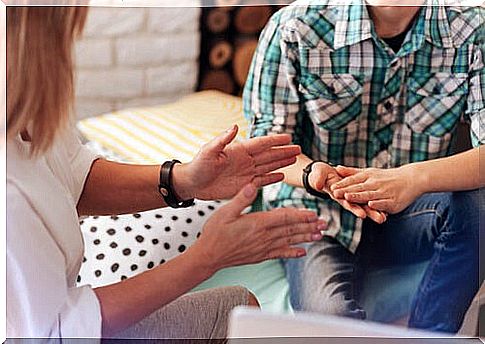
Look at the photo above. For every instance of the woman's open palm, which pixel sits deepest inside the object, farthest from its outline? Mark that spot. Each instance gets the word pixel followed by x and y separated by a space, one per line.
pixel 222 167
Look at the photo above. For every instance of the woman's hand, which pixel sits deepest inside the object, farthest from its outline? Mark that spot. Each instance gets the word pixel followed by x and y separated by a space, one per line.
pixel 231 239
pixel 323 177
pixel 222 167
pixel 390 190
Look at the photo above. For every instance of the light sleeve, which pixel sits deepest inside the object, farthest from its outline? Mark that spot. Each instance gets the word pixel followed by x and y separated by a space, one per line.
pixel 39 301
pixel 81 160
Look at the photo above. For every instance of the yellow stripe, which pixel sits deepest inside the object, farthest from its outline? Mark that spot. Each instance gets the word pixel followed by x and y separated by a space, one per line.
pixel 204 135
pixel 172 120
pixel 188 122
pixel 133 156
pixel 158 135
pixel 206 114
pixel 113 123
pixel 121 143
pixel 178 134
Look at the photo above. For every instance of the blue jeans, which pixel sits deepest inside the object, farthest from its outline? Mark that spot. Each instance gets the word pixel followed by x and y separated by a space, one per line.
pixel 441 227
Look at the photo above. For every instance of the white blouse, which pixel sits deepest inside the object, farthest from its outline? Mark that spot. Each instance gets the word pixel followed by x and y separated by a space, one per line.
pixel 44 243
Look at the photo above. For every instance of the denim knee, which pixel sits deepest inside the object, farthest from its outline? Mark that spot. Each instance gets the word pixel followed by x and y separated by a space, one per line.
pixel 461 213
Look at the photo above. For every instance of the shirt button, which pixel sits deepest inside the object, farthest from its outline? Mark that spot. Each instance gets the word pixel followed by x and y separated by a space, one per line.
pixel 388 105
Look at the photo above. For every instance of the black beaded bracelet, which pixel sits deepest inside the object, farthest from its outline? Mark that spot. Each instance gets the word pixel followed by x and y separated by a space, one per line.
pixel 165 186
pixel 306 183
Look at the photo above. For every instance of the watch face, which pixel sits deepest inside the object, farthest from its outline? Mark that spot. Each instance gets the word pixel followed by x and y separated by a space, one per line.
pixel 164 192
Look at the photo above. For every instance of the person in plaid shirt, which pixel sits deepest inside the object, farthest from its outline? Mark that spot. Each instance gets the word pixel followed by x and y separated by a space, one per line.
pixel 373 95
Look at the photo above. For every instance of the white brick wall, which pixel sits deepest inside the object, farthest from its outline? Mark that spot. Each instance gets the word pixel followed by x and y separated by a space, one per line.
pixel 136 57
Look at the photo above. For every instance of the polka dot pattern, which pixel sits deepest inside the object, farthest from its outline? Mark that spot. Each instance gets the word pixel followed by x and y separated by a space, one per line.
pixel 121 246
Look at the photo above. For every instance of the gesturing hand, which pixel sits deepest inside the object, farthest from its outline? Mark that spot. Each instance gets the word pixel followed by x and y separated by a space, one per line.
pixel 230 239
pixel 390 190
pixel 323 177
pixel 222 167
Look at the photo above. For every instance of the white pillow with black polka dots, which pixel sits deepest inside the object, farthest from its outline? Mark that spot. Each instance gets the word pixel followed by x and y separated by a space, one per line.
pixel 117 247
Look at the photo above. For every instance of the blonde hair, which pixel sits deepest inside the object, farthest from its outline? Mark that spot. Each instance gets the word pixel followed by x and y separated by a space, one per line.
pixel 40 88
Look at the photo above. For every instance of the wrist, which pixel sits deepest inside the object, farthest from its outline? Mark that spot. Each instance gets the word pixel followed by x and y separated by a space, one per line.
pixel 208 266
pixel 418 178
pixel 312 179
pixel 319 168
pixel 182 182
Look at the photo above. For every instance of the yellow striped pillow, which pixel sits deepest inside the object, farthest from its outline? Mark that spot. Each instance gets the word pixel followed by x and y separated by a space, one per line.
pixel 176 130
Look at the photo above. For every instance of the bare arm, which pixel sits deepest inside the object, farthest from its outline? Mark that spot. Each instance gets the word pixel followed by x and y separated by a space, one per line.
pixel 294 172
pixel 125 303
pixel 114 188
pixel 392 190
pixel 219 171
pixel 228 239
pixel 455 173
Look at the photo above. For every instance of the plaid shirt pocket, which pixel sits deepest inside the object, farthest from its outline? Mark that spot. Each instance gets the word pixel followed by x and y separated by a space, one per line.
pixel 436 103
pixel 333 101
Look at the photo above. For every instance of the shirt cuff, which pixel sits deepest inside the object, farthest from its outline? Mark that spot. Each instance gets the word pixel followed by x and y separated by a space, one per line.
pixel 478 128
pixel 81 164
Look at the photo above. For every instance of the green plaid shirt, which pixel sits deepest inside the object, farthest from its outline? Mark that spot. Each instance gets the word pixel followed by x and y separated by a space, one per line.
pixel 322 74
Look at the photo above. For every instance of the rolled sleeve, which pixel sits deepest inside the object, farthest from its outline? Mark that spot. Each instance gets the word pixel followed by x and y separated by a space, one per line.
pixel 271 99
pixel 475 113
pixel 81 159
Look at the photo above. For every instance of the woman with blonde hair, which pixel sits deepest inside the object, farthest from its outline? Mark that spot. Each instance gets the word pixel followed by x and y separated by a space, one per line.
pixel 52 180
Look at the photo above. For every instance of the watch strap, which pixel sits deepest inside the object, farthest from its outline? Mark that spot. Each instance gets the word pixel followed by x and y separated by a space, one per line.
pixel 306 183
pixel 165 186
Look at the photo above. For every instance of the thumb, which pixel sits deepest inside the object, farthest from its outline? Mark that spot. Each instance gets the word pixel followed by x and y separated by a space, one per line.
pixel 345 171
pixel 218 144
pixel 243 199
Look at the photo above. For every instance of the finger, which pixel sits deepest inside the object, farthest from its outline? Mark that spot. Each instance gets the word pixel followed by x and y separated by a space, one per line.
pixel 362 197
pixel 375 215
pixel 355 209
pixel 286 253
pixel 268 179
pixel 297 239
pixel 272 166
pixel 244 198
pixel 288 231
pixel 345 171
pixel 355 179
pixel 276 153
pixel 260 144
pixel 218 144
pixel 286 217
pixel 384 215
pixel 382 205
pixel 356 188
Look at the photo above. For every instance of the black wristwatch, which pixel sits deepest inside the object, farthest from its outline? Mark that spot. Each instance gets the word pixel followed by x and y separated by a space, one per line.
pixel 306 183
pixel 165 186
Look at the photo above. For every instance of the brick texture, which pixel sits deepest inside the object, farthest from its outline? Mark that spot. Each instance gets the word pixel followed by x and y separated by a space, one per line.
pixel 131 57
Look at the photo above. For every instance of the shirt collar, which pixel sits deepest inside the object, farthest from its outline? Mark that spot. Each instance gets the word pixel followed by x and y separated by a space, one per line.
pixel 437 29
pixel 354 25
